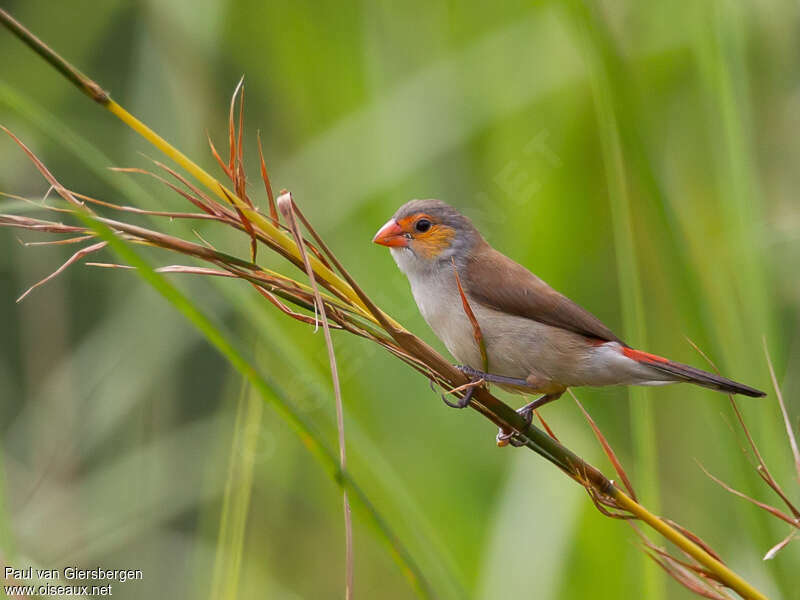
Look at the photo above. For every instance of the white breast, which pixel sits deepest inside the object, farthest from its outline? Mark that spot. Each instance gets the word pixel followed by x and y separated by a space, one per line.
pixel 436 295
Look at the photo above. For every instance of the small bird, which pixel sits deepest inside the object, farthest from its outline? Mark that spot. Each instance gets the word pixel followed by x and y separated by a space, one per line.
pixel 536 340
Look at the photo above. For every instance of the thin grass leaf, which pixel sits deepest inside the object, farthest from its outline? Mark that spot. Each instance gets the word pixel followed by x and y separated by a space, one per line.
pixel 609 451
pixel 780 545
pixel 288 311
pixel 168 269
pixel 207 206
pixel 240 185
pixel 693 568
pixel 218 158
pixel 761 467
pixel 789 430
pixel 62 191
pixel 686 580
pixel 476 328
pixel 466 386
pixel 770 509
pixel 38 224
pixel 286 206
pixel 545 425
pixel 248 226
pixel 73 240
pixel 696 539
pixel 236 498
pixel 71 260
pixel 232 130
pixel 144 211
pixel 273 210
pixel 232 274
pixel 371 308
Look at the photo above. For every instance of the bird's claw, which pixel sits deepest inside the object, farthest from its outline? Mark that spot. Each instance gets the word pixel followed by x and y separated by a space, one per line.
pixel 463 402
pixel 505 437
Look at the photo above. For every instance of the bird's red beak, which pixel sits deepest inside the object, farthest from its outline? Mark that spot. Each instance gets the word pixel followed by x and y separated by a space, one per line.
pixel 390 235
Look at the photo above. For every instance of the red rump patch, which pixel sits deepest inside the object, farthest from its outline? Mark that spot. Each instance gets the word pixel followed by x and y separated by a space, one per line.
pixel 640 356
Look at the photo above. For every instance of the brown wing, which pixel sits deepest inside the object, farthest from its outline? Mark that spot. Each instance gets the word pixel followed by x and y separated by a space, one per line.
pixel 486 279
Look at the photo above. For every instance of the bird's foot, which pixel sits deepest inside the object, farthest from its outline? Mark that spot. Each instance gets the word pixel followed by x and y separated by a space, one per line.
pixel 505 437
pixel 463 402
pixel 477 379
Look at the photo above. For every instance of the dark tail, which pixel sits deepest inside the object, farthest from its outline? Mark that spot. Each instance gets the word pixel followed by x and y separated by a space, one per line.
pixel 697 376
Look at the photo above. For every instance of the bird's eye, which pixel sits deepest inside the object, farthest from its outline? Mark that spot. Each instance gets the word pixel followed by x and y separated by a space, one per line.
pixel 422 225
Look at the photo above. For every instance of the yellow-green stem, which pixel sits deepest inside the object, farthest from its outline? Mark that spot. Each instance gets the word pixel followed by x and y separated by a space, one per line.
pixel 731 579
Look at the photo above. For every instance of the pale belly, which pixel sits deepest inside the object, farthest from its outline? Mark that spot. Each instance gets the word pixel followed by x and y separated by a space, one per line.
pixel 550 358
pixel 514 346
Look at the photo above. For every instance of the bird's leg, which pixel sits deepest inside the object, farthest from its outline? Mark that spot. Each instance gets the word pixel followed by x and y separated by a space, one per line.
pixel 504 437
pixel 508 437
pixel 527 410
pixel 488 377
pixel 477 379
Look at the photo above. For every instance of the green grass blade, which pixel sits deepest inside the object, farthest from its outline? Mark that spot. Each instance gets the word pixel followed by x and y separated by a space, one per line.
pixel 236 497
pixel 641 410
pixel 7 548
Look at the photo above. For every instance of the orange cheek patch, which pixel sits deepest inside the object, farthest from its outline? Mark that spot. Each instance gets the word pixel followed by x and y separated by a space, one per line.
pixel 432 243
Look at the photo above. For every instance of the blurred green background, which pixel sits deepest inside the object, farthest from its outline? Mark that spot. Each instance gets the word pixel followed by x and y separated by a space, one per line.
pixel 641 158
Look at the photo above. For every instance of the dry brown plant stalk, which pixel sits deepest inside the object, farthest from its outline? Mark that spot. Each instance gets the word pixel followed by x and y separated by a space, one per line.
pixel 792 518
